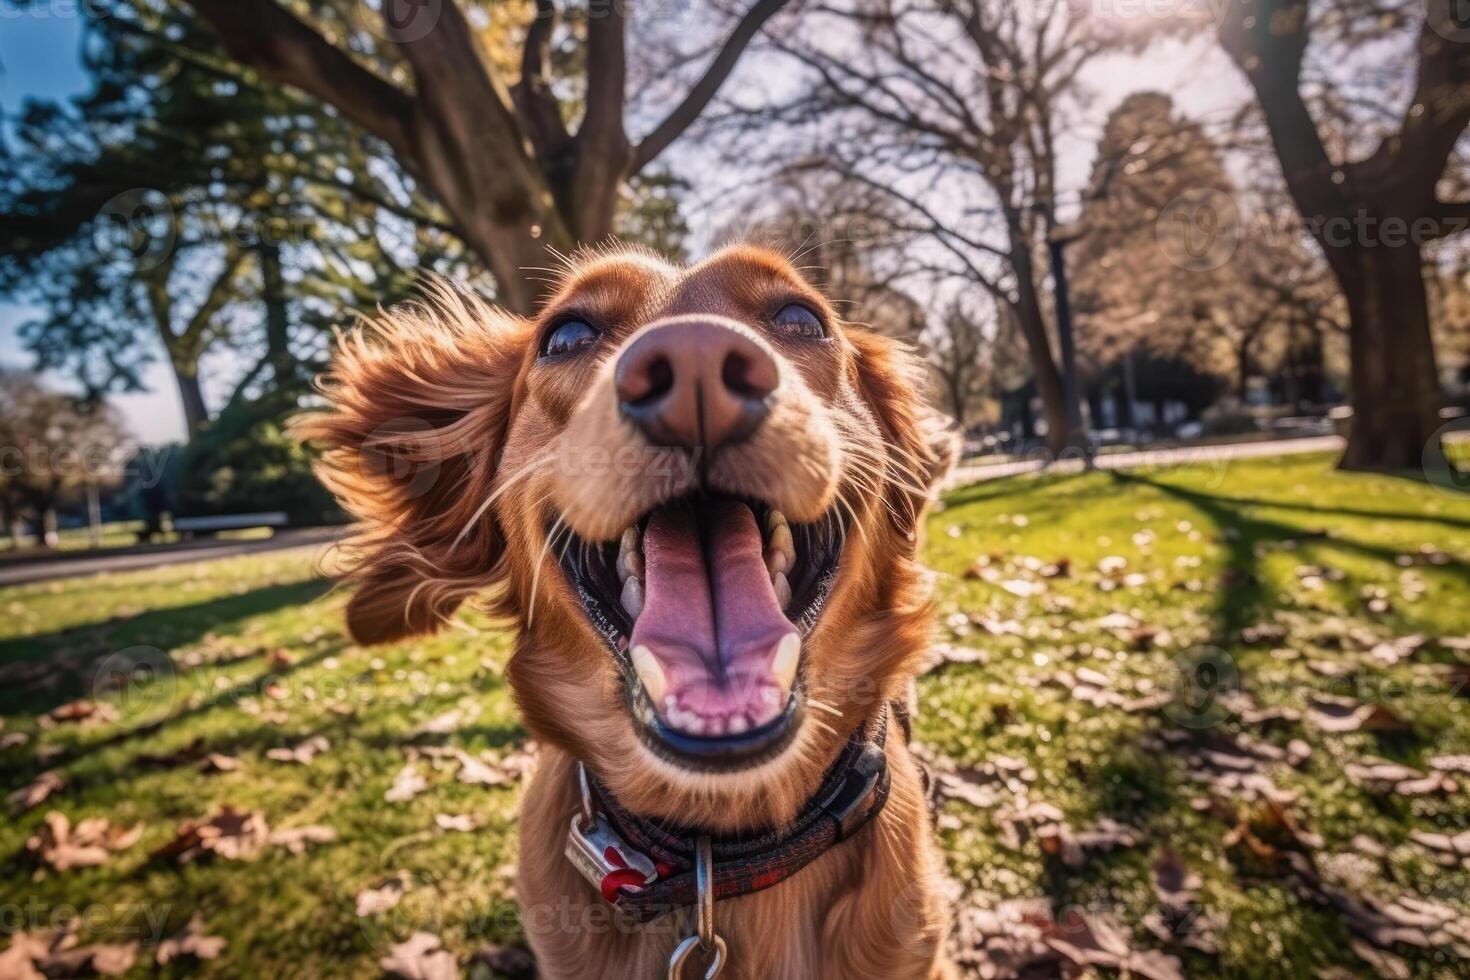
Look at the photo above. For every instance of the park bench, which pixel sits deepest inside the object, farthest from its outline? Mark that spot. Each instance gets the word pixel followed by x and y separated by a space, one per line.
pixel 189 527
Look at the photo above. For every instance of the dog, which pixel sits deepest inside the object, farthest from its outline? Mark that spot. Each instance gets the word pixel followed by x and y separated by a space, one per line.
pixel 696 492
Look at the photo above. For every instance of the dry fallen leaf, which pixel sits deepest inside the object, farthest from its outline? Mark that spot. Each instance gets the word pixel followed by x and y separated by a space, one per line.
pixel 301 754
pixel 949 653
pixel 1405 919
pixel 1451 763
pixel 17 961
pixel 477 772
pixel 1457 844
pixel 190 941
pixel 373 901
pixel 84 711
pixel 1382 776
pixel 36 792
pixel 463 823
pixel 101 959
pixel 443 724
pixel 1175 884
pixel 1342 715
pixel 1179 918
pixel 420 957
pixel 1005 939
pixel 298 839
pixel 1060 840
pixel 1385 965
pixel 406 785
pixel 1098 940
pixel 230 833
pixel 88 844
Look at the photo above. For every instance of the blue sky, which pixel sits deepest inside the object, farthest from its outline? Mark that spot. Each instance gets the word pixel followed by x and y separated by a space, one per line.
pixel 39 57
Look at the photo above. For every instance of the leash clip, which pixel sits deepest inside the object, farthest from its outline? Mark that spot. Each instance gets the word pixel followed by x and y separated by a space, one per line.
pixel 601 854
pixel 710 943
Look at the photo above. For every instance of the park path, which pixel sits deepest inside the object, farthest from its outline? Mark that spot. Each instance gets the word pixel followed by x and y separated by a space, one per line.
pixel 41 569
pixel 64 565
pixel 1182 456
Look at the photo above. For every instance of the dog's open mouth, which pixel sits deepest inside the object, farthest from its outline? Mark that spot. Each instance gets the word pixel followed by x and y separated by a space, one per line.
pixel 706 600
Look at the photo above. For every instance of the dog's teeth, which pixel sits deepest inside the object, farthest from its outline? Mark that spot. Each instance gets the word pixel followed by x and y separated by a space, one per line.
pixel 774 520
pixel 782 589
pixel 783 664
pixel 781 540
pixel 633 597
pixel 737 725
pixel 777 561
pixel 768 707
pixel 714 726
pixel 650 673
pixel 630 556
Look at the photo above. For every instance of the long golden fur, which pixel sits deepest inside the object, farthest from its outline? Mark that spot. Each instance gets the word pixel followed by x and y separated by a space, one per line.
pixel 456 448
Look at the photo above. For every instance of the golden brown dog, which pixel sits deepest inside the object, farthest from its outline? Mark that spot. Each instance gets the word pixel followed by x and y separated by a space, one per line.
pixel 696 492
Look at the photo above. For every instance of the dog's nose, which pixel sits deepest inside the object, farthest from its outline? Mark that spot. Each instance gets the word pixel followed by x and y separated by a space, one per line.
pixel 696 384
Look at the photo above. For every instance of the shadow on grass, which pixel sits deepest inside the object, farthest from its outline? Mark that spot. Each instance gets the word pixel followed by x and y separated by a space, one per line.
pixel 1244 597
pixel 987 490
pixel 1416 517
pixel 163 629
pixel 228 697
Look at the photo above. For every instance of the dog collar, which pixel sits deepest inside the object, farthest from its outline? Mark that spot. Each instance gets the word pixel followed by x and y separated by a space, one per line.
pixel 645 869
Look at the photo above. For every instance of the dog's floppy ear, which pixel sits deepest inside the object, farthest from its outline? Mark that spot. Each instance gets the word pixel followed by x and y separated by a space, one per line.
pixel 921 450
pixel 420 399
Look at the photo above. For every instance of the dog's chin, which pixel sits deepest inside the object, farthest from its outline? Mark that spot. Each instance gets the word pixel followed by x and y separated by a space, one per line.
pixel 705 603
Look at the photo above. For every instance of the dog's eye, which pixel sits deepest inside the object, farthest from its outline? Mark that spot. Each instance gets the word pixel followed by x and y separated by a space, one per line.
pixel 573 335
pixel 796 320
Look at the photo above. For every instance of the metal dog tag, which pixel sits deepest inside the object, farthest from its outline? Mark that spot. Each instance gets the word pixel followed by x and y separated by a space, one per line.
pixel 598 851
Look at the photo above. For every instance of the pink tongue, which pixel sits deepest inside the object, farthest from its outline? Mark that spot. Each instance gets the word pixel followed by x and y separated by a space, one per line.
pixel 710 617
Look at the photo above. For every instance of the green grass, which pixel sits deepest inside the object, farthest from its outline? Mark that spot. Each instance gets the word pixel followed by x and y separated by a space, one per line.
pixel 115 534
pixel 1220 551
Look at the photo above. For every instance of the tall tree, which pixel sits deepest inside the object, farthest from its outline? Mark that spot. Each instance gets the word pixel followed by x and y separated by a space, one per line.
pixel 181 209
pixel 961 352
pixel 54 448
pixel 1368 192
pixel 1170 263
pixel 495 149
pixel 955 111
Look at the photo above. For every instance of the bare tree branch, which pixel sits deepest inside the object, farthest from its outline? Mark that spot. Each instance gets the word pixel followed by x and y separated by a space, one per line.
pixel 266 37
pixel 684 114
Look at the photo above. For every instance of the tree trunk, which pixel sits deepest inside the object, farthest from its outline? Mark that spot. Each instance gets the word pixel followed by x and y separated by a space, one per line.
pixel 94 516
pixel 1243 371
pixel 1395 384
pixel 1038 344
pixel 50 537
pixel 1130 397
pixel 191 397
pixel 277 315
pixel 10 520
